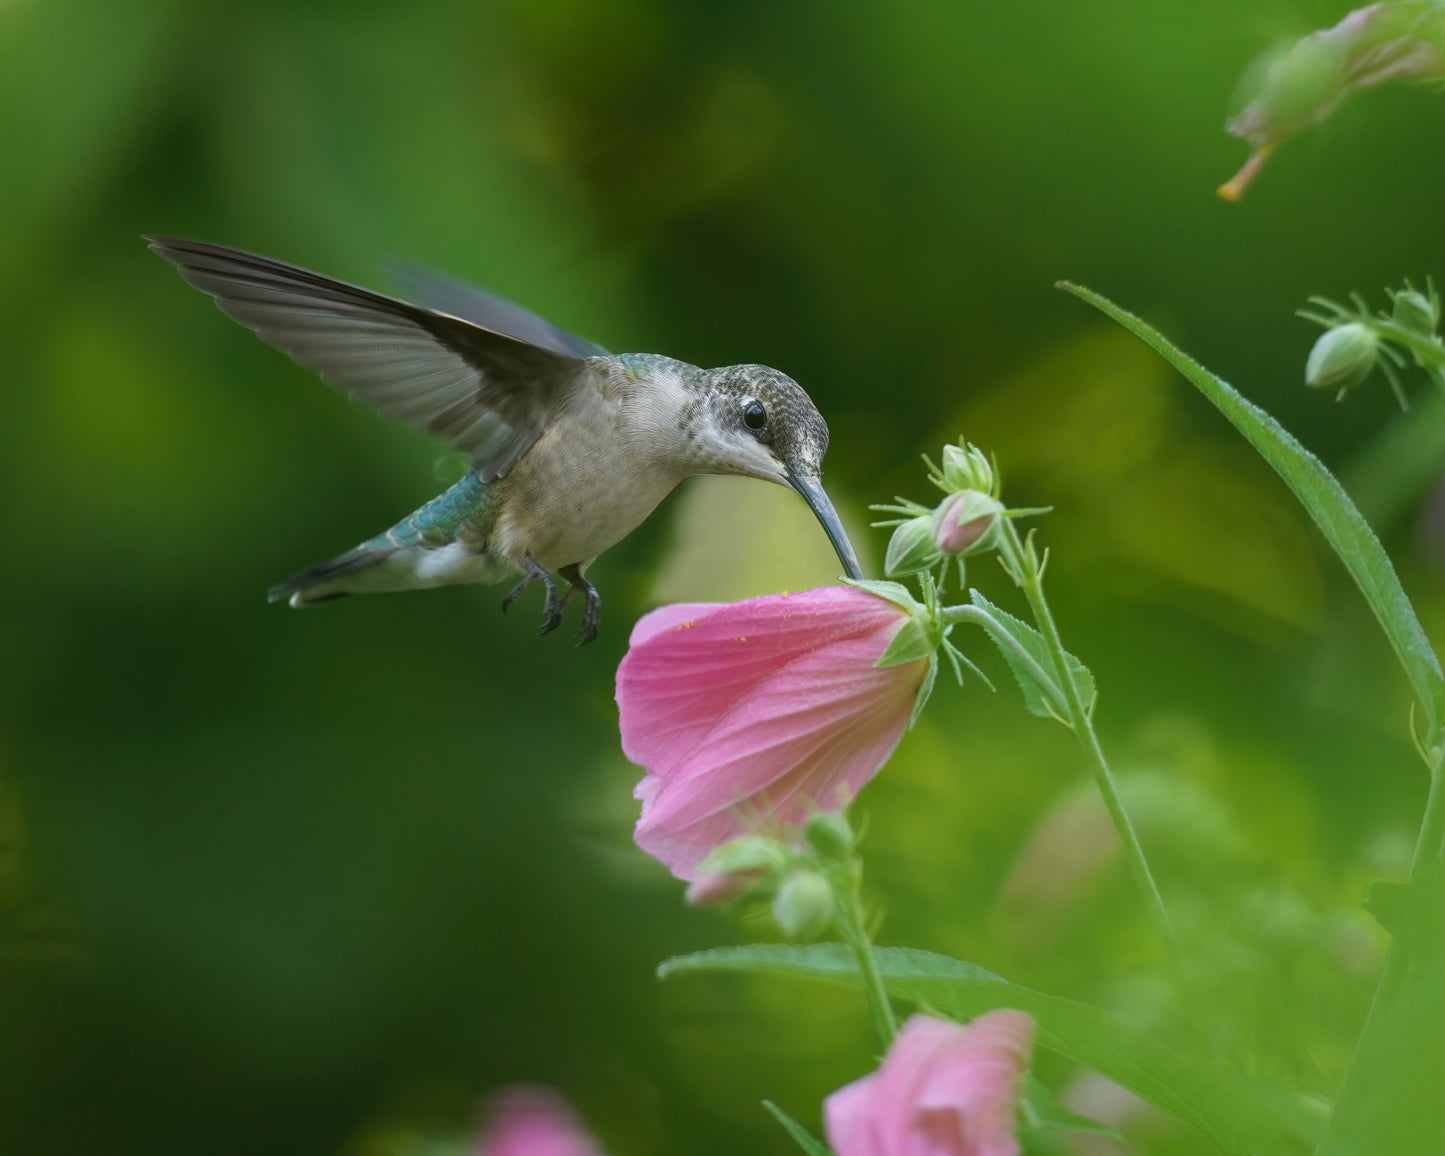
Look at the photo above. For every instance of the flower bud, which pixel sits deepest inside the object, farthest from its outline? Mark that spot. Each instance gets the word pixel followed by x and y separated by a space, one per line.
pixel 829 834
pixel 1415 312
pixel 966 522
pixel 966 468
pixel 911 548
pixel 1342 357
pixel 803 905
pixel 749 855
pixel 736 867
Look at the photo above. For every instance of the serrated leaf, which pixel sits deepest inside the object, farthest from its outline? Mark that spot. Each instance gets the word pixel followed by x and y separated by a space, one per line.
pixel 1240 1116
pixel 1037 698
pixel 1325 500
pixel 1041 1109
pixel 805 1139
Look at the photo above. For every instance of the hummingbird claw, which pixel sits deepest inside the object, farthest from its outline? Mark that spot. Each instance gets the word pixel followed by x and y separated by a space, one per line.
pixel 551 607
pixel 591 607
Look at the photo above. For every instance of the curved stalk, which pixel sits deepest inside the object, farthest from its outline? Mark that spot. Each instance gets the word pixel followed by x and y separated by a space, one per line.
pixel 1024 567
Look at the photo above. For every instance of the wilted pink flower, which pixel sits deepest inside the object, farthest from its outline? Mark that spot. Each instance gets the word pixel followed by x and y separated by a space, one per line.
pixel 530 1120
pixel 944 1089
pixel 750 715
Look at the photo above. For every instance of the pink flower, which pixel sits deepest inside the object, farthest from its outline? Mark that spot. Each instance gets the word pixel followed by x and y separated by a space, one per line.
pixel 943 1090
pixel 750 715
pixel 528 1120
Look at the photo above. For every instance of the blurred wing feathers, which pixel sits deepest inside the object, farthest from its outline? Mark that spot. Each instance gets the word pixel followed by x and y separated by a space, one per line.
pixel 447 294
pixel 489 394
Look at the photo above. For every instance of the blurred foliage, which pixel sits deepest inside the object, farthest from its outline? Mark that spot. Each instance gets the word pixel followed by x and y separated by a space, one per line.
pixel 303 883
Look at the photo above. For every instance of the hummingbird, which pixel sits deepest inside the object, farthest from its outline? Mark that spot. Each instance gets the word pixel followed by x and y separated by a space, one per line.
pixel 571 447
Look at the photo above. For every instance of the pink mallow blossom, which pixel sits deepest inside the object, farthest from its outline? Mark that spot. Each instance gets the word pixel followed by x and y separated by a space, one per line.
pixel 944 1089
pixel 750 715
pixel 530 1120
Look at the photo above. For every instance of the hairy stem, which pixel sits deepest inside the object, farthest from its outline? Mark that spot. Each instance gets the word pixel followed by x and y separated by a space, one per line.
pixel 852 926
pixel 1024 566
pixel 953 614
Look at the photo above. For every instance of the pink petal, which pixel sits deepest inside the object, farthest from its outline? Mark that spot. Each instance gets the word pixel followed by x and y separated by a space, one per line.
pixel 688 664
pixel 752 713
pixel 942 1090
pixel 848 1118
pixel 971 1092
pixel 528 1120
pixel 667 617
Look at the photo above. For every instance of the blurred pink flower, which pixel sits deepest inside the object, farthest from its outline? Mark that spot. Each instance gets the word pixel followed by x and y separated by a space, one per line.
pixel 943 1089
pixel 750 715
pixel 530 1120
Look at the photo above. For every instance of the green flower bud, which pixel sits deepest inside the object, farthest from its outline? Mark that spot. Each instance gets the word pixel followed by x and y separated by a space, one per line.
pixel 1416 312
pixel 803 905
pixel 753 855
pixel 966 468
pixel 829 834
pixel 1342 357
pixel 911 548
pixel 966 522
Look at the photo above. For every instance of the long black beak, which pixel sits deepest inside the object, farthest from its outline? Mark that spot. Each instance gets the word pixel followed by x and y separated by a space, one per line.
pixel 812 491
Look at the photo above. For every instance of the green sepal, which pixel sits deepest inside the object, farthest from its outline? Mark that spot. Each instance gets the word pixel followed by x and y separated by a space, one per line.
pixel 915 639
pixel 1037 698
pixel 894 592
pixel 911 548
pixel 926 689
pixel 804 1139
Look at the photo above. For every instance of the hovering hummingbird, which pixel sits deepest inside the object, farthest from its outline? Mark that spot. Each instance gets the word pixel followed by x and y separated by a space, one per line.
pixel 571 446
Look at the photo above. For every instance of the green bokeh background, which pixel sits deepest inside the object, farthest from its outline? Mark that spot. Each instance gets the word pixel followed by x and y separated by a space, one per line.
pixel 316 882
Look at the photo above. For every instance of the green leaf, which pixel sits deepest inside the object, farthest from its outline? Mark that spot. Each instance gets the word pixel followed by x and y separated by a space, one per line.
pixel 1411 912
pixel 1041 1109
pixel 806 1140
pixel 1346 530
pixel 1239 1115
pixel 1036 697
pixel 1390 1101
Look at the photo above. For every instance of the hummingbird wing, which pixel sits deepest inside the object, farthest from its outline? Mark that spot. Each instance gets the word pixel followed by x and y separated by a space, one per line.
pixel 449 295
pixel 489 394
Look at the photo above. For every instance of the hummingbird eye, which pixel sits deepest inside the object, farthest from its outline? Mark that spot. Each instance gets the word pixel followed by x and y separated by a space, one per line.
pixel 754 415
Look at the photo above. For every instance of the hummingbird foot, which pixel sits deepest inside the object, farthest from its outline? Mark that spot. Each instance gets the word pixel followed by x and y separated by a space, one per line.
pixel 591 607
pixel 551 607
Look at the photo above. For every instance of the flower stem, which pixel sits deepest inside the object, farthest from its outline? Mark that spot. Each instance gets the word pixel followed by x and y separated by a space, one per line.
pixel 1428 850
pixel 852 926
pixel 1025 660
pixel 1023 564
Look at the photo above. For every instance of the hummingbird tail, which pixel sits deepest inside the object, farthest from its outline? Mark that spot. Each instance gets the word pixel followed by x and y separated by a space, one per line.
pixel 316 584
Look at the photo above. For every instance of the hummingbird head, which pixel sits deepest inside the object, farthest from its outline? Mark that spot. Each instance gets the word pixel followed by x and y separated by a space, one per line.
pixel 760 423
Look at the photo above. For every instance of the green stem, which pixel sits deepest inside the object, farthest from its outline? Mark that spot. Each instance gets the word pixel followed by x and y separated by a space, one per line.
pixel 1428 849
pixel 1023 565
pixel 1026 661
pixel 851 924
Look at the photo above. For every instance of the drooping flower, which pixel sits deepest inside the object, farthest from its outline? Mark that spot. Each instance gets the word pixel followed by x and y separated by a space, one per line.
pixel 748 716
pixel 944 1089
pixel 531 1120
pixel 1300 83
